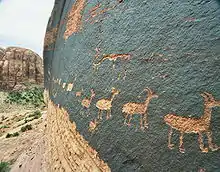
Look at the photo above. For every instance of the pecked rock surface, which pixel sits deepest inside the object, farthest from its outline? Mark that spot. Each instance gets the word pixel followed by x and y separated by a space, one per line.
pixel 139 79
pixel 19 65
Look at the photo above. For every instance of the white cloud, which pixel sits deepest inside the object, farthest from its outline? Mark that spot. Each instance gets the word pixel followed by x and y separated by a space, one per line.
pixel 23 23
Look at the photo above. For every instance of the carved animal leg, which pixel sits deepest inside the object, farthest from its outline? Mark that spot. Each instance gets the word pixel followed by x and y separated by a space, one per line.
pixel 126 117
pixel 100 114
pixel 212 146
pixel 170 145
pixel 145 121
pixel 201 144
pixel 108 113
pixel 129 121
pixel 181 147
pixel 141 122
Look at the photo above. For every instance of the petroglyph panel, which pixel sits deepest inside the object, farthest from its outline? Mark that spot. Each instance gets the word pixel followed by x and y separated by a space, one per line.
pixel 74 18
pixel 170 49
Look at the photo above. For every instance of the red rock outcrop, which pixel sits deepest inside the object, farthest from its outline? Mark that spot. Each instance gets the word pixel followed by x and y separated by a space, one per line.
pixel 19 65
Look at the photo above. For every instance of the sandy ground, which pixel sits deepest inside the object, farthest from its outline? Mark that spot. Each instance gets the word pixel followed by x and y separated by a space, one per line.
pixel 26 152
pixel 32 159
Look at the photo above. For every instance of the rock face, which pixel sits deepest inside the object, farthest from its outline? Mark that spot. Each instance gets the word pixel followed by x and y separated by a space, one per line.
pixel 140 82
pixel 2 52
pixel 19 65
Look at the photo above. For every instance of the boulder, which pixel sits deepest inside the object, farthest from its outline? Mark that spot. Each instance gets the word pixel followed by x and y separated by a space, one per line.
pixel 19 66
pixel 134 84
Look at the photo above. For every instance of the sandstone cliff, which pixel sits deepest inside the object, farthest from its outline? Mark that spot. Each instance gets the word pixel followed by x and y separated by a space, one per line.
pixel 19 65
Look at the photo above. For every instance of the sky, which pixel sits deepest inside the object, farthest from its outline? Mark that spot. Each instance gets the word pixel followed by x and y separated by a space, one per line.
pixel 24 22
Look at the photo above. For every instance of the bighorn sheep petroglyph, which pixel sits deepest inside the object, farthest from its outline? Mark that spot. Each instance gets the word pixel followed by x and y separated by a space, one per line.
pixel 194 125
pixel 106 104
pixel 139 108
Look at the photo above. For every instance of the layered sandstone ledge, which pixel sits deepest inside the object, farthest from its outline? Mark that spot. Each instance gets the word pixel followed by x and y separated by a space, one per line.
pixel 18 66
pixel 68 150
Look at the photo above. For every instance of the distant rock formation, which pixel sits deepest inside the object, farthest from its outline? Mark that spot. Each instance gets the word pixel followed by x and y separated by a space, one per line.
pixel 2 52
pixel 19 65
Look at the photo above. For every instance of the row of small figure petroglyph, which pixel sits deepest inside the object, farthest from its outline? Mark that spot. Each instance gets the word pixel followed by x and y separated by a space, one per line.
pixel 106 104
pixel 183 124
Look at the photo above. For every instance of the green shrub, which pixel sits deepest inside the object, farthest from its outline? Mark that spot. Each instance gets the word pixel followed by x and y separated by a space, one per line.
pixel 26 127
pixel 3 117
pixel 15 134
pixel 25 120
pixel 37 114
pixel 4 167
pixel 8 135
pixel 19 119
pixel 12 135
pixel 4 126
pixel 33 96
